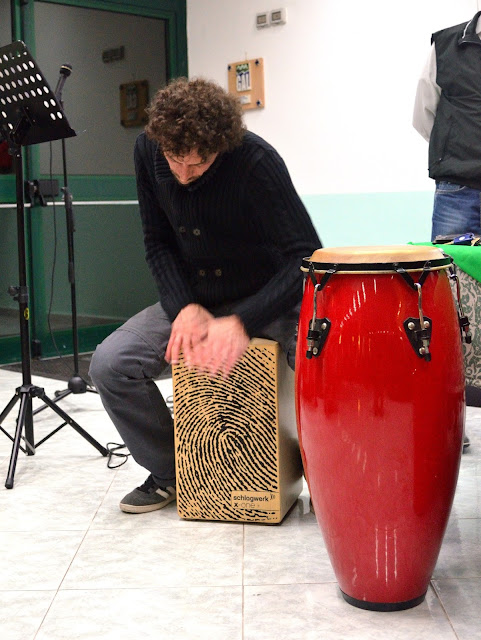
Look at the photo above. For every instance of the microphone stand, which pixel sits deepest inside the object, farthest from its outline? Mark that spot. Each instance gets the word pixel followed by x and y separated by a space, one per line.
pixel 76 383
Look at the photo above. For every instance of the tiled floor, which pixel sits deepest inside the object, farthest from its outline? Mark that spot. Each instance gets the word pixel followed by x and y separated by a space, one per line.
pixel 72 566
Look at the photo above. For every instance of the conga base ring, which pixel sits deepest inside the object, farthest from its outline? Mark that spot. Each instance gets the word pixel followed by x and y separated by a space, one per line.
pixel 383 606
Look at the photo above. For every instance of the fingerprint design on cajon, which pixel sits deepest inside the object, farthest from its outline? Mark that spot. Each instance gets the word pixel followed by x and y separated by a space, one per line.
pixel 226 440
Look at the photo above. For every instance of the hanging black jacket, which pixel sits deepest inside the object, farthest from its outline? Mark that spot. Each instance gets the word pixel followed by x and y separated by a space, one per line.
pixel 455 142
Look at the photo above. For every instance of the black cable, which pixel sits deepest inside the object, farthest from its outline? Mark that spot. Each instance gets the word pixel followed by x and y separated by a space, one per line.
pixel 112 448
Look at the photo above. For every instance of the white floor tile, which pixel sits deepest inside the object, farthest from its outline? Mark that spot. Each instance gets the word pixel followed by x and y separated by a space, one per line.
pixel 467 500
pixel 42 498
pixel 73 566
pixel 203 556
pixel 461 600
pixel 36 561
pixel 193 613
pixel 285 555
pixel 22 613
pixel 460 555
pixel 318 612
pixel 109 515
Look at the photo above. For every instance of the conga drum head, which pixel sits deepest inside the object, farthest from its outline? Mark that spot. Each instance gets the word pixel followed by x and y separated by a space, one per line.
pixel 376 259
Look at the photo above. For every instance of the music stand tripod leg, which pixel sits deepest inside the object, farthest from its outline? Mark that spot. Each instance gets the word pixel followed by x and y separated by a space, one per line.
pixel 25 402
pixel 70 421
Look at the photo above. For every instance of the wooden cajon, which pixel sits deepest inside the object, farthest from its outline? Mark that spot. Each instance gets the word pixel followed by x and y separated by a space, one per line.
pixel 237 452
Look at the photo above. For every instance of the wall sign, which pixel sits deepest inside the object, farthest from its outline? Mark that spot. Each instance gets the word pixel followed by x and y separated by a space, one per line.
pixel 246 82
pixel 134 99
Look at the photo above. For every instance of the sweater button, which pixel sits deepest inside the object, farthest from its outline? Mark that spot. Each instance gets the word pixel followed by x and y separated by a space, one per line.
pixel 182 229
pixel 196 232
pixel 218 272
pixel 202 272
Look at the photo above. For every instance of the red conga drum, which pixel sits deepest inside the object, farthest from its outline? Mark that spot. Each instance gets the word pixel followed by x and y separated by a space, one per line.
pixel 380 411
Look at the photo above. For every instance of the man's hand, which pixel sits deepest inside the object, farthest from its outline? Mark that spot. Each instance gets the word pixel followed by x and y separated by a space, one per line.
pixel 225 344
pixel 189 329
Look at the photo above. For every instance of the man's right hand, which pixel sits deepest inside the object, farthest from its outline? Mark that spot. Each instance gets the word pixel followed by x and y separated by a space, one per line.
pixel 189 329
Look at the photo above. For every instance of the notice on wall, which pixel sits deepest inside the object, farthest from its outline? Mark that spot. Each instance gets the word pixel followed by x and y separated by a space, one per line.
pixel 246 82
pixel 134 98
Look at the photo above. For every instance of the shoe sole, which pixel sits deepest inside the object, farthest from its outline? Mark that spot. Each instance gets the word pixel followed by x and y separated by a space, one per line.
pixel 145 508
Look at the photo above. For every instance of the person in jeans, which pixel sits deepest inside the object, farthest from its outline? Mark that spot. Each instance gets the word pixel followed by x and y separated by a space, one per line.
pixel 447 113
pixel 225 233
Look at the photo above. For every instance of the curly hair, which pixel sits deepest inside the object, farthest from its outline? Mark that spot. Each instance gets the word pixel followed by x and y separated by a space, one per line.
pixel 195 114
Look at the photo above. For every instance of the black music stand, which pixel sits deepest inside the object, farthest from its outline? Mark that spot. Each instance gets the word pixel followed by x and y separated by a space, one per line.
pixel 29 114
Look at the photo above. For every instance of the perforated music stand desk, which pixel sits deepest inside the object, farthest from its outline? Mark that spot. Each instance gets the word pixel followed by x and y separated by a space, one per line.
pixel 29 111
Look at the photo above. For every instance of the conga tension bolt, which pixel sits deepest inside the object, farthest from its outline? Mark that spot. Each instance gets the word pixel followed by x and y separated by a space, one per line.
pixel 464 326
pixel 316 336
pixel 318 330
pixel 412 326
pixel 419 336
pixel 463 319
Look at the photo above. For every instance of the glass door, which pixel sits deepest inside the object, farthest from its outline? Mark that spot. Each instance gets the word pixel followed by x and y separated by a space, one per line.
pixel 119 56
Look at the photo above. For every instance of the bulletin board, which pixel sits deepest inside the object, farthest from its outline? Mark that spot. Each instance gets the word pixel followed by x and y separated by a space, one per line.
pixel 246 82
pixel 134 99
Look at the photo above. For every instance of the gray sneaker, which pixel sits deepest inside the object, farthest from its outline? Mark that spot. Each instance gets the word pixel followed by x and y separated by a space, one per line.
pixel 147 497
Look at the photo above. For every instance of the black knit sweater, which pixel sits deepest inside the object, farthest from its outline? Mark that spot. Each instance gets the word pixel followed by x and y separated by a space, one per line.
pixel 235 235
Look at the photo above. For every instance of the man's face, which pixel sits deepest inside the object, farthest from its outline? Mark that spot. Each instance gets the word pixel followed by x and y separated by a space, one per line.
pixel 188 168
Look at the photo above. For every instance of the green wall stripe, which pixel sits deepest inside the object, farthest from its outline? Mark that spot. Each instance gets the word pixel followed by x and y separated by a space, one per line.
pixel 81 187
pixel 7 189
pixel 88 337
pixel 99 187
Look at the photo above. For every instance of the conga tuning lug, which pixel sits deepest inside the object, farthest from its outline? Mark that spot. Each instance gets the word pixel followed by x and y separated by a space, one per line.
pixel 464 326
pixel 463 319
pixel 316 336
pixel 419 337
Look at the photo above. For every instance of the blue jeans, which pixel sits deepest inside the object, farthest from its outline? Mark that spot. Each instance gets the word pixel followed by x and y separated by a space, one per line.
pixel 457 209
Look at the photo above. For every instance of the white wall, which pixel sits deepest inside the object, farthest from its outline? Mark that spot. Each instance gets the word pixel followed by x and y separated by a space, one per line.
pixel 340 79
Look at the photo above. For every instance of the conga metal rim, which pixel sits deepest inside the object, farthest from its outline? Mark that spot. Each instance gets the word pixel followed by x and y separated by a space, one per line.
pixel 376 267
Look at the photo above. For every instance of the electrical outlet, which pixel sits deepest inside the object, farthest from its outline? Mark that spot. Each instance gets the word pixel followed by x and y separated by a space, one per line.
pixel 278 16
pixel 262 20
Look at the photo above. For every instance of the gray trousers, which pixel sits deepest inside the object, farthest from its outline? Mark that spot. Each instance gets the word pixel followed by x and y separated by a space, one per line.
pixel 124 367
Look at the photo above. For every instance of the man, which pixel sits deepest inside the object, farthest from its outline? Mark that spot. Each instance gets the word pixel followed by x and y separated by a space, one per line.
pixel 225 233
pixel 447 113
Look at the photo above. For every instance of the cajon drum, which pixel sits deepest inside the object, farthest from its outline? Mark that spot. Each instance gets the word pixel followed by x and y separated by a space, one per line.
pixel 237 452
